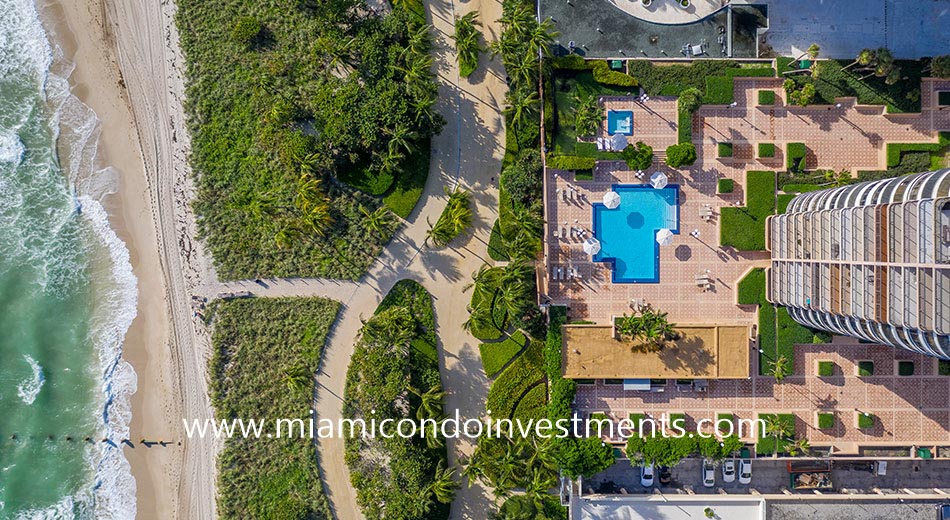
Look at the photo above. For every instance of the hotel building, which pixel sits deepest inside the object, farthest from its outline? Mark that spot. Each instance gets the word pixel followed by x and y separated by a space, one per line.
pixel 868 260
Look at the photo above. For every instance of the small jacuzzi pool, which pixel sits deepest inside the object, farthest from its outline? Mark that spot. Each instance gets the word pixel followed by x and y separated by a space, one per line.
pixel 620 122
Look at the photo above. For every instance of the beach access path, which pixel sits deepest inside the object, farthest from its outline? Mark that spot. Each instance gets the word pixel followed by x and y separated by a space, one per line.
pixel 467 153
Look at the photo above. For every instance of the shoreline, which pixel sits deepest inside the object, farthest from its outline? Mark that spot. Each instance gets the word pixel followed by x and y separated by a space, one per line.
pixel 80 30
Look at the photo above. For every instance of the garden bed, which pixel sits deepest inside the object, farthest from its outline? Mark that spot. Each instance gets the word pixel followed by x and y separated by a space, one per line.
pixel 744 227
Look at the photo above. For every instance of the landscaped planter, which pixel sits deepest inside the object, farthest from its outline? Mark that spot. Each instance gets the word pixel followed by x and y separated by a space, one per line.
pixel 646 3
pixel 825 368
pixel 825 420
pixel 725 186
pixel 766 97
pixel 766 150
pixel 865 369
pixel 904 368
pixel 725 150
pixel 864 421
pixel 684 3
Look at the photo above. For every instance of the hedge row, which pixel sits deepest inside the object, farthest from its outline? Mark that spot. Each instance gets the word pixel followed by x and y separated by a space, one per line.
pixel 523 373
pixel 895 150
pixel 600 68
pixel 766 149
pixel 570 162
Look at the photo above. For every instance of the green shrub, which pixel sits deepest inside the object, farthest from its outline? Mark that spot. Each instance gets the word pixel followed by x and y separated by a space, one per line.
pixel 719 90
pixel 751 289
pixel 725 149
pixel 533 405
pixel 246 29
pixel 583 175
pixel 865 368
pixel 766 150
pixel 766 97
pixel 866 421
pixel 689 100
pixel 639 156
pixel 800 188
pixel 684 127
pixel 585 456
pixel 570 62
pixel 790 333
pixel 795 157
pixel 264 354
pixel 671 80
pixel 744 227
pixel 725 186
pixel 570 162
pixel 455 218
pixel 524 372
pixel 495 355
pixel 896 150
pixel 523 179
pixel 683 154
pixel 943 367
pixel 467 46
pixel 557 316
pixel 826 368
pixel 826 421
pixel 905 368
pixel 605 76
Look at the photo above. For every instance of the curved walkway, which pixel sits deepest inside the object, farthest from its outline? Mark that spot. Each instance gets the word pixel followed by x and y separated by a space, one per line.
pixel 669 12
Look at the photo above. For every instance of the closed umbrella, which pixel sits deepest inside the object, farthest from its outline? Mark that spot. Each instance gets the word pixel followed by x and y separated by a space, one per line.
pixel 659 180
pixel 664 237
pixel 618 142
pixel 592 246
pixel 611 199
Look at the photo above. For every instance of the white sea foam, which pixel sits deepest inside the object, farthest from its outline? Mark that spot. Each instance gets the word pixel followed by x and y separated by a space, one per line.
pixel 11 148
pixel 29 389
pixel 68 507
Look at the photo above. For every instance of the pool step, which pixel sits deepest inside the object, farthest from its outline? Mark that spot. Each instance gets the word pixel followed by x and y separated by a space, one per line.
pixel 659 157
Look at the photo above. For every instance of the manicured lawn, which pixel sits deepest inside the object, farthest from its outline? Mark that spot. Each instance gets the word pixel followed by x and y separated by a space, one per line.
pixel 512 384
pixel 751 289
pixel 766 97
pixel 725 149
pixel 866 421
pixel 795 156
pixel 826 421
pixel 826 368
pixel 265 352
pixel 865 368
pixel 905 368
pixel 566 85
pixel 496 355
pixel 670 80
pixel 790 333
pixel 534 404
pixel 770 445
pixel 684 127
pixel 782 202
pixel 725 186
pixel 744 227
pixel 766 150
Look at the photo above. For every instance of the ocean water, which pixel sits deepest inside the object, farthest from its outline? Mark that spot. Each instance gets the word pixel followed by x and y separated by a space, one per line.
pixel 67 294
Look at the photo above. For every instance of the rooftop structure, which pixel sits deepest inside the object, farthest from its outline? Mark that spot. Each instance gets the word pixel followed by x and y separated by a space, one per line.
pixel 704 351
pixel 668 508
pixel 869 260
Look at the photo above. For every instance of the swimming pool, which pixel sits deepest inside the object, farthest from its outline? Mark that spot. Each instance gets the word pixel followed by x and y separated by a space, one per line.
pixel 627 233
pixel 620 122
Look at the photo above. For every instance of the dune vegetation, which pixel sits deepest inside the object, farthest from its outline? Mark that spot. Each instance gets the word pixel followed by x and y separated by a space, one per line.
pixel 305 117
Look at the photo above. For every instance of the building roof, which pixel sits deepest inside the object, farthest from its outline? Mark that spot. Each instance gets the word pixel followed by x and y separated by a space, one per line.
pixel 704 352
pixel 673 507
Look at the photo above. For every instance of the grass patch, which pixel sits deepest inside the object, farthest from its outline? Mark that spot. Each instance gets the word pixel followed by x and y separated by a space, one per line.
pixel 751 289
pixel 795 157
pixel 265 352
pixel 496 355
pixel 402 197
pixel 866 421
pixel 512 384
pixel 766 97
pixel 826 421
pixel 567 85
pixel 725 149
pixel 800 188
pixel 770 445
pixel 905 368
pixel 790 333
pixel 865 368
pixel 725 186
pixel 895 151
pixel 684 127
pixel 390 377
pixel 766 150
pixel 719 90
pixel 670 80
pixel 744 227
pixel 496 244
pixel 782 200
pixel 826 368
pixel 534 404
pixel 834 82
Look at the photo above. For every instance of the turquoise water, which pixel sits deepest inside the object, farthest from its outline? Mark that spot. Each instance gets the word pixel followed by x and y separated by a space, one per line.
pixel 627 233
pixel 620 122
pixel 66 297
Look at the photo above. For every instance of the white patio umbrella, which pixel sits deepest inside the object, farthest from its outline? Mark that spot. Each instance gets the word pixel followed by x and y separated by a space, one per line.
pixel 611 199
pixel 618 142
pixel 664 237
pixel 592 246
pixel 659 180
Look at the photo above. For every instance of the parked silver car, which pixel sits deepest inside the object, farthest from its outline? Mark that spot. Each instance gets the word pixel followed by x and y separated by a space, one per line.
pixel 729 470
pixel 646 475
pixel 745 471
pixel 709 473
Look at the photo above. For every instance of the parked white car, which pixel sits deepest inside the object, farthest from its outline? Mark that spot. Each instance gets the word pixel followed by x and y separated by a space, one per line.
pixel 729 470
pixel 709 473
pixel 745 471
pixel 646 475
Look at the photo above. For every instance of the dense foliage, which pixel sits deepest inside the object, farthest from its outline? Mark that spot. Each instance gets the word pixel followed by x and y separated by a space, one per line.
pixel 496 355
pixel 454 220
pixel 526 508
pixel 524 178
pixel 795 154
pixel 647 329
pixel 265 352
pixel 291 106
pixel 574 98
pixel 524 373
pixel 669 451
pixel 672 80
pixel 682 154
pixel 638 156
pixel 394 374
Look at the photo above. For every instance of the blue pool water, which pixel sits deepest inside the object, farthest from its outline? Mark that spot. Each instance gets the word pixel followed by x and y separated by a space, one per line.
pixel 627 233
pixel 620 122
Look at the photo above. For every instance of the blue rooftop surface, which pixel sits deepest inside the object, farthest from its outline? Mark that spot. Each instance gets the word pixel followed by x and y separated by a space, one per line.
pixel 627 234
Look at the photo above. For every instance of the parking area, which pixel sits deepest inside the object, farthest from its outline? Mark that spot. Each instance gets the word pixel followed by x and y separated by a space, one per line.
pixel 770 477
pixel 852 510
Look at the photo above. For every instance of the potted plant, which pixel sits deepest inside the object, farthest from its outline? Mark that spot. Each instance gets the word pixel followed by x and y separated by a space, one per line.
pixel 684 3
pixel 709 512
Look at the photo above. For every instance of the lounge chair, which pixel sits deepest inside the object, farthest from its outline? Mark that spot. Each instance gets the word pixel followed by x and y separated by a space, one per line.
pixel 563 195
pixel 600 144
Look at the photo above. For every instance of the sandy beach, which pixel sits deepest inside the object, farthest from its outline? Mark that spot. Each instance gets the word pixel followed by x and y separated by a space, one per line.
pixel 165 345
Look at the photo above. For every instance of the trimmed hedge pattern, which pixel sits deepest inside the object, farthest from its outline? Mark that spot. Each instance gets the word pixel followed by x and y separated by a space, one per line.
pixel 766 150
pixel 496 355
pixel 766 97
pixel 795 156
pixel 570 162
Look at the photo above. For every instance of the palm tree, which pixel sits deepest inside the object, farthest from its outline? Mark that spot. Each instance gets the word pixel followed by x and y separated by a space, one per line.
pixel 813 51
pixel 430 405
pixel 466 42
pixel 296 378
pixel 313 204
pixel 587 114
pixel 520 104
pixel 378 221
pixel 538 483
pixel 801 446
pixel 780 368
pixel 418 40
pixel 443 484
pixel 401 137
pixel 542 35
pixel 523 71
pixel 777 429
